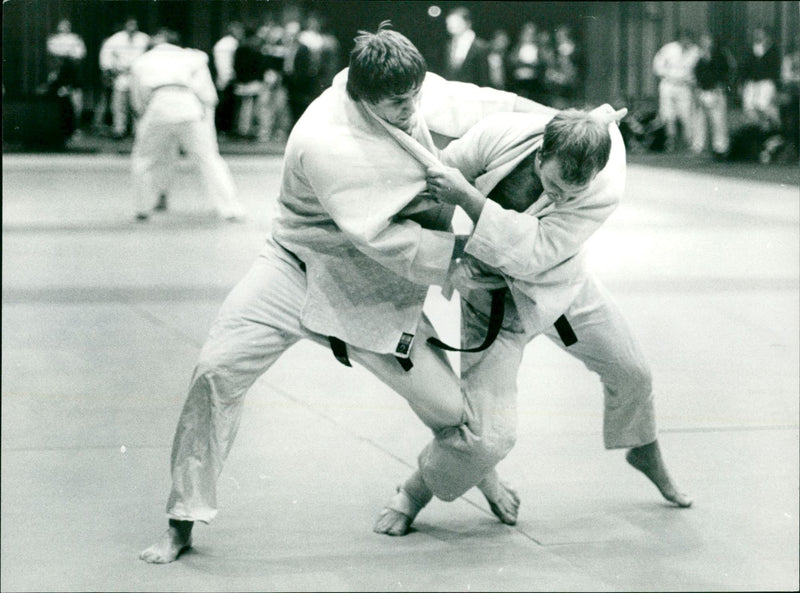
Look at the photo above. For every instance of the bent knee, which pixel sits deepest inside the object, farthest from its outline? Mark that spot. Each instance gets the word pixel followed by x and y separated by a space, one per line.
pixel 630 382
pixel 493 448
pixel 503 444
pixel 639 379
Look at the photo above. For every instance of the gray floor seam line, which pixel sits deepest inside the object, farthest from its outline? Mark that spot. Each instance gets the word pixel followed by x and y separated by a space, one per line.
pixel 379 447
pixel 160 294
pixel 166 447
pixel 710 429
pixel 164 325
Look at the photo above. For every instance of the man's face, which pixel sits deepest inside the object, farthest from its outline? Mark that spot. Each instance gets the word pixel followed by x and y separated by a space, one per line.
pixel 398 110
pixel 553 183
pixel 456 24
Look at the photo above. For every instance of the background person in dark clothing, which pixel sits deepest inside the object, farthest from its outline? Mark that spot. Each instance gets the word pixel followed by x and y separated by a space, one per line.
pixel 564 72
pixel 224 51
pixel 66 52
pixel 760 73
pixel 249 67
pixel 311 57
pixel 713 73
pixel 525 63
pixel 498 59
pixel 467 56
pixel 789 101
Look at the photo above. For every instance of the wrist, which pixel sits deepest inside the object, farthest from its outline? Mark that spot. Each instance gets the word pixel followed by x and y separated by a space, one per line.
pixel 474 204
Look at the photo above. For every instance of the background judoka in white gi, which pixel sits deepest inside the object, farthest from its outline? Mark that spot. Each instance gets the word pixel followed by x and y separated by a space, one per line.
pixel 174 95
pixel 116 56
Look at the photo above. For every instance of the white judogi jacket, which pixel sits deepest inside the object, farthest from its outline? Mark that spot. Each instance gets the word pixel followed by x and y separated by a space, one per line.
pixel 172 83
pixel 540 255
pixel 350 207
pixel 118 53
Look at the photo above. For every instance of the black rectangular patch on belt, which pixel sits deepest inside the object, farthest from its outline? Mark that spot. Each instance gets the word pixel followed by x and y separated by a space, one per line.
pixel 565 332
pixel 404 345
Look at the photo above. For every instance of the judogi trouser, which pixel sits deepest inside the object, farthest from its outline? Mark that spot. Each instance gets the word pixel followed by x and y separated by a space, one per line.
pixel 675 104
pixel 121 102
pixel 259 321
pixel 712 109
pixel 760 97
pixel 156 152
pixel 605 344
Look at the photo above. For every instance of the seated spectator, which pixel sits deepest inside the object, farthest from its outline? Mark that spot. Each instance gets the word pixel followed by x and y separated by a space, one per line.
pixel 760 74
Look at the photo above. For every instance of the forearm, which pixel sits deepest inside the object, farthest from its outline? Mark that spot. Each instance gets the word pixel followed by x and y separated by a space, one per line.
pixel 472 202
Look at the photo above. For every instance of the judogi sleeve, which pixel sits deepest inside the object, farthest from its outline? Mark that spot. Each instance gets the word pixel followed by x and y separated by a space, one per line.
pixel 523 246
pixel 451 108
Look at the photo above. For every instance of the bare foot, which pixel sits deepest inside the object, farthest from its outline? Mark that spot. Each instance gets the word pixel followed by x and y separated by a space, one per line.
pixel 392 522
pixel 402 509
pixel 647 459
pixel 175 540
pixel 503 499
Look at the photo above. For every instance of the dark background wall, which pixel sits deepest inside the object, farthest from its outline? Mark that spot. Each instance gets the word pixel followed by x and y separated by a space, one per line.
pixel 620 38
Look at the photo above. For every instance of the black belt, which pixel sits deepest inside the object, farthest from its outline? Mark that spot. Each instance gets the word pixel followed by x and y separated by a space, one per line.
pixel 495 323
pixel 339 348
pixel 562 325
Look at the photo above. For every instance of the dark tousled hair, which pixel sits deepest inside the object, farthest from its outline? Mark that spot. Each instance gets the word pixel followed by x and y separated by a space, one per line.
pixel 384 64
pixel 580 142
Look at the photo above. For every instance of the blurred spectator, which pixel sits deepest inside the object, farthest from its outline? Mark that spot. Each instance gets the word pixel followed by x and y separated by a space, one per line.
pixel 498 59
pixel 275 120
pixel 790 100
pixel 525 64
pixel 547 63
pixel 223 53
pixel 66 51
pixel 307 70
pixel 674 65
pixel 643 131
pixel 116 55
pixel 467 55
pixel 173 94
pixel 249 68
pixel 713 73
pixel 327 49
pixel 563 74
pixel 760 73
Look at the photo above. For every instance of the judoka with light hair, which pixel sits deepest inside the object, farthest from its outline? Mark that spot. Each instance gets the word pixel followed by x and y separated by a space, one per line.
pixel 536 189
